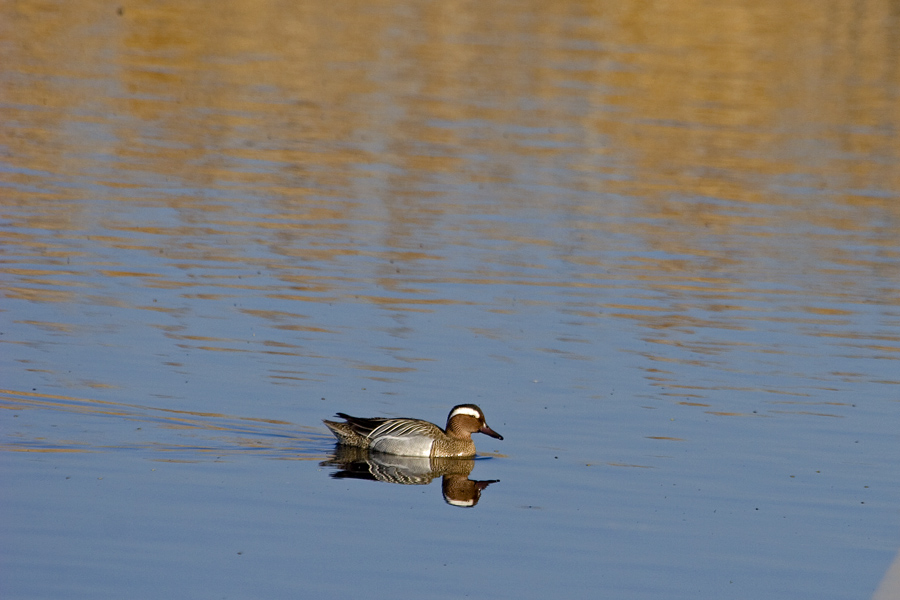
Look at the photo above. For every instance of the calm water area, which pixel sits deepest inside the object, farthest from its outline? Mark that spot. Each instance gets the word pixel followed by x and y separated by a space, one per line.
pixel 657 243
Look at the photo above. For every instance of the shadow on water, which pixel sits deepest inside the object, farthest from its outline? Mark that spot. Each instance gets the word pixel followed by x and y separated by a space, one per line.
pixel 457 488
pixel 106 426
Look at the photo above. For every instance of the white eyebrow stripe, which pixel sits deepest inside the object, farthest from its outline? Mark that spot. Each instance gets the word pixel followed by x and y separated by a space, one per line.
pixel 465 410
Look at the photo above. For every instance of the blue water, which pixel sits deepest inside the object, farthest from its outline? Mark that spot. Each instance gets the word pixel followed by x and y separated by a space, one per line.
pixel 673 291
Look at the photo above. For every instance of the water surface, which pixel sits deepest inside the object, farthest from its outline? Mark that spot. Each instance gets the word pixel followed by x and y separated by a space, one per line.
pixel 658 247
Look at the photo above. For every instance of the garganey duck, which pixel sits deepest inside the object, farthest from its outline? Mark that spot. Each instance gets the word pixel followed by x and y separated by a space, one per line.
pixel 414 437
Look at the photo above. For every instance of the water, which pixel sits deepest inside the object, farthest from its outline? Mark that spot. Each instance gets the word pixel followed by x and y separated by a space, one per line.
pixel 658 247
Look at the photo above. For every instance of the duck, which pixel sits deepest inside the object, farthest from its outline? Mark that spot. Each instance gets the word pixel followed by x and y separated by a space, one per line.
pixel 415 437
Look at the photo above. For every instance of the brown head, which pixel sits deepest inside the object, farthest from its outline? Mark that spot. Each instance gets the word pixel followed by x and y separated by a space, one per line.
pixel 466 419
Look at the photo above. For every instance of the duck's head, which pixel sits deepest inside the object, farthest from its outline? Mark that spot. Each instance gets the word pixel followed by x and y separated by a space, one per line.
pixel 466 419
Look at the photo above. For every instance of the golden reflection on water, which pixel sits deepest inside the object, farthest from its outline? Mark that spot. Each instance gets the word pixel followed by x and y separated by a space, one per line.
pixel 695 158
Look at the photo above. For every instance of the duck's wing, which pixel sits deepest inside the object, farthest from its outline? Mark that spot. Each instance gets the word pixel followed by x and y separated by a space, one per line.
pixel 405 428
pixel 383 427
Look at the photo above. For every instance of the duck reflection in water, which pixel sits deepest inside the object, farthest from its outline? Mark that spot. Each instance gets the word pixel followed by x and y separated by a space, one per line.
pixel 458 489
